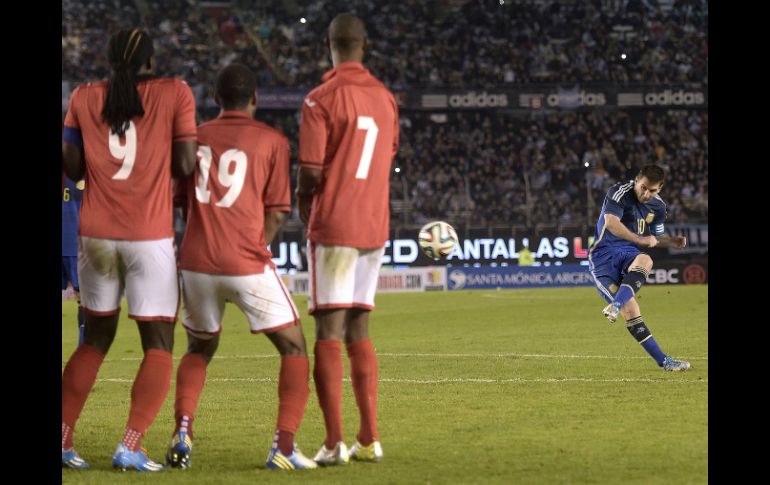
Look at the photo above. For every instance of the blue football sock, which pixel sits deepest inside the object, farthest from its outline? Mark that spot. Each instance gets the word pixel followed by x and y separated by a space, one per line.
pixel 630 285
pixel 641 333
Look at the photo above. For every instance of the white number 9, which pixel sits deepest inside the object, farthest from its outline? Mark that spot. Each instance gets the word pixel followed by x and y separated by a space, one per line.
pixel 126 152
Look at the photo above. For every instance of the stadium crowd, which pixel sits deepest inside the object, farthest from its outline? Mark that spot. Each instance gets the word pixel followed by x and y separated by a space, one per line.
pixel 487 168
pixel 493 170
pixel 415 43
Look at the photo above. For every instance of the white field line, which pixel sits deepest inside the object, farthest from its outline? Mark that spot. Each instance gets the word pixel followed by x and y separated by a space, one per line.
pixel 452 380
pixel 437 355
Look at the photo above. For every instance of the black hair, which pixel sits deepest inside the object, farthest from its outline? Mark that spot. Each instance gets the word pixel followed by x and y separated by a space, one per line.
pixel 346 32
pixel 654 173
pixel 127 52
pixel 235 85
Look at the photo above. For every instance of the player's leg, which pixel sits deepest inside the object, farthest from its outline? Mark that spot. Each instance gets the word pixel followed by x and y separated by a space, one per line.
pixel 204 308
pixel 152 291
pixel 269 309
pixel 101 300
pixel 363 359
pixel 638 329
pixel 364 377
pixel 79 377
pixel 632 280
pixel 332 282
pixel 327 374
pixel 293 393
pixel 190 380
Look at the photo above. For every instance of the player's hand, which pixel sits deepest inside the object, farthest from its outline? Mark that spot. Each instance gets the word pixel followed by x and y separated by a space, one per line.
pixel 648 241
pixel 679 241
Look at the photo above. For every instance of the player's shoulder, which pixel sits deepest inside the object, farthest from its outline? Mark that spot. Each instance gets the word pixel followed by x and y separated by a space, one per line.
pixel 263 131
pixel 166 82
pixel 657 202
pixel 268 132
pixel 620 190
pixel 89 86
pixel 318 93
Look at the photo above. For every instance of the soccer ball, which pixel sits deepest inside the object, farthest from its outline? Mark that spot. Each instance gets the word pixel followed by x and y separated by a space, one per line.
pixel 437 239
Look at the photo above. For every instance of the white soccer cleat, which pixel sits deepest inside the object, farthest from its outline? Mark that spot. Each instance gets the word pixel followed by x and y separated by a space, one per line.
pixel 372 452
pixel 337 456
pixel 611 312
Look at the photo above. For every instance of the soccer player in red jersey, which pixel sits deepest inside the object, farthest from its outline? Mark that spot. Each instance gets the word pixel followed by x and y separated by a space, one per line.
pixel 348 138
pixel 127 136
pixel 237 200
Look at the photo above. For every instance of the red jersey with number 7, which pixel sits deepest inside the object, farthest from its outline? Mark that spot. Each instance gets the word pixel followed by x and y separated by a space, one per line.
pixel 242 172
pixel 129 177
pixel 349 130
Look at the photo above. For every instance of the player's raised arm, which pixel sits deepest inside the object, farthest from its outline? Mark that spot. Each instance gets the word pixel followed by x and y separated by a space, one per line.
pixel 613 224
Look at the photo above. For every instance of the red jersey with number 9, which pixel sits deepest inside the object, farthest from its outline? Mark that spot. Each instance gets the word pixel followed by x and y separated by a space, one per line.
pixel 129 177
pixel 349 130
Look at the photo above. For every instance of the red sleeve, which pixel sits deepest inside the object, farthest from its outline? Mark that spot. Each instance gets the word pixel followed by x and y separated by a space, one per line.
pixel 184 114
pixel 312 133
pixel 277 196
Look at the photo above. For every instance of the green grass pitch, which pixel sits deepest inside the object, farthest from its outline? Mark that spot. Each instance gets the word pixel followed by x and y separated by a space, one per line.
pixel 510 386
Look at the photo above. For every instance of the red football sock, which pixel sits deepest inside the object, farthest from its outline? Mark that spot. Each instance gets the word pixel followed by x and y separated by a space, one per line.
pixel 363 373
pixel 327 373
pixel 76 383
pixel 149 391
pixel 190 378
pixel 132 439
pixel 293 391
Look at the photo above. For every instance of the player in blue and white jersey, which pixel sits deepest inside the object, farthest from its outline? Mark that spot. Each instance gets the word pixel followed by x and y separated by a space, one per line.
pixel 72 197
pixel 632 216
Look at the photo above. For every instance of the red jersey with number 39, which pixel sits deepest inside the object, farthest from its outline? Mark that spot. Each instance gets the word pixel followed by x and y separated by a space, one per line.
pixel 129 177
pixel 242 171
pixel 349 130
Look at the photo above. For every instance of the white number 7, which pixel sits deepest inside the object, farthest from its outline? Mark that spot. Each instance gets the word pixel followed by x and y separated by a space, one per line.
pixel 367 123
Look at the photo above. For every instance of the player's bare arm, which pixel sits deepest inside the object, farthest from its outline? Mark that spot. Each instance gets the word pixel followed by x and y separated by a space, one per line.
pixel 307 182
pixel 184 158
pixel 676 242
pixel 273 222
pixel 613 224
pixel 73 161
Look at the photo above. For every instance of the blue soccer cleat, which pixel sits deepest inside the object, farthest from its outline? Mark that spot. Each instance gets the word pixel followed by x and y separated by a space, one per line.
pixel 672 365
pixel 125 459
pixel 296 461
pixel 71 459
pixel 178 455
